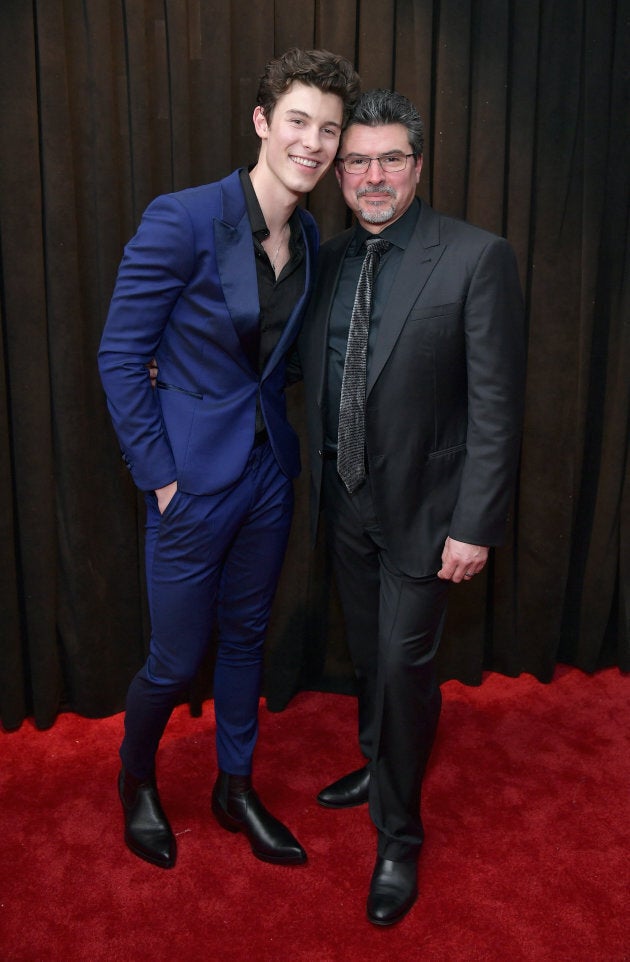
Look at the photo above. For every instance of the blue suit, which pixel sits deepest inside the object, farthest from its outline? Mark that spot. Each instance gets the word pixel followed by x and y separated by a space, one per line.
pixel 187 294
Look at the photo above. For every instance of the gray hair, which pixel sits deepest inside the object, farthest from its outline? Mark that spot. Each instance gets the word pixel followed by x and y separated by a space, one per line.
pixel 377 107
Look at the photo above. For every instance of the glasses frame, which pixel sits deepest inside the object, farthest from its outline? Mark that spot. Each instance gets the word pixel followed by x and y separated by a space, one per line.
pixel 405 157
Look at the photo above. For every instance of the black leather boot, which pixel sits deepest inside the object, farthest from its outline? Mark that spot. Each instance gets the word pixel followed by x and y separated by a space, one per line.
pixel 237 807
pixel 393 890
pixel 348 791
pixel 147 831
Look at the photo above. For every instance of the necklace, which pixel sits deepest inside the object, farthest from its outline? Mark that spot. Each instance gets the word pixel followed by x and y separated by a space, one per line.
pixel 273 260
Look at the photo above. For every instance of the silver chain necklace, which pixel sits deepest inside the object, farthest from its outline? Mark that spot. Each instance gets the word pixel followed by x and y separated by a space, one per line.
pixel 272 260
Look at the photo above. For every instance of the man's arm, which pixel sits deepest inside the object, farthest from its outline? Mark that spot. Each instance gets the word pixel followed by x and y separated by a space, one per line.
pixel 495 359
pixel 156 266
pixel 495 363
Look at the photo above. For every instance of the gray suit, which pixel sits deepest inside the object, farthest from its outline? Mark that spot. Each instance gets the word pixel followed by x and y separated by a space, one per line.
pixel 443 421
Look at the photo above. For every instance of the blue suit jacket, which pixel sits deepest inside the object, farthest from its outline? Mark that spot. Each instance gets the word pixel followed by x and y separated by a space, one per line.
pixel 187 294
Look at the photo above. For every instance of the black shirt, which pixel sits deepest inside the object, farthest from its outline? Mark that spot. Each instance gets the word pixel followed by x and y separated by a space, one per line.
pixel 398 234
pixel 277 296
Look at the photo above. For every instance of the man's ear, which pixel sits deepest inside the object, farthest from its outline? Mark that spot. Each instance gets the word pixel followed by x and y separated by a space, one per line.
pixel 260 123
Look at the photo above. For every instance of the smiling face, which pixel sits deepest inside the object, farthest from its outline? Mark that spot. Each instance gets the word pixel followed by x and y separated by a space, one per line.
pixel 299 143
pixel 378 198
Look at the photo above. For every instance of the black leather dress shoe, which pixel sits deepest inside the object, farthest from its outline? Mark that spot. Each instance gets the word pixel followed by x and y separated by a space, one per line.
pixel 352 789
pixel 147 831
pixel 393 890
pixel 237 807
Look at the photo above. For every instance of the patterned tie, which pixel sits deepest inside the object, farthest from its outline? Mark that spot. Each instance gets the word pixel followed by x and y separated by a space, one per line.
pixel 351 443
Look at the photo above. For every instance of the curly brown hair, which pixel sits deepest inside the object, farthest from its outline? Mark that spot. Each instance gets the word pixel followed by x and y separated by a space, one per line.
pixel 327 71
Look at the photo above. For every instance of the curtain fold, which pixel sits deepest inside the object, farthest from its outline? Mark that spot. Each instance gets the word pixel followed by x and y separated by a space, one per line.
pixel 107 104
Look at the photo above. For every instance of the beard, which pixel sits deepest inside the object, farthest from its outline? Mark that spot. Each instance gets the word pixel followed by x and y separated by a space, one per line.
pixel 378 215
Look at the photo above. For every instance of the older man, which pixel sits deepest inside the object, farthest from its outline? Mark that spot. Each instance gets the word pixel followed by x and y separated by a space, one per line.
pixel 412 355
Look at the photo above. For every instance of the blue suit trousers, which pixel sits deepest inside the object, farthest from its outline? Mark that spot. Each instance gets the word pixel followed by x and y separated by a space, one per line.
pixel 211 557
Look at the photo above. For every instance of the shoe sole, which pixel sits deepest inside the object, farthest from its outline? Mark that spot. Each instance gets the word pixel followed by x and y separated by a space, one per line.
pixel 279 861
pixel 324 804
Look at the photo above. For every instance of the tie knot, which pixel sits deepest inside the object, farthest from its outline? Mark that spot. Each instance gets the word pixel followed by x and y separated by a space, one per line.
pixel 377 246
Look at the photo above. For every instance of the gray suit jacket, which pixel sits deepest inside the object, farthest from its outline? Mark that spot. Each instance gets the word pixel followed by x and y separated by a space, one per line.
pixel 444 393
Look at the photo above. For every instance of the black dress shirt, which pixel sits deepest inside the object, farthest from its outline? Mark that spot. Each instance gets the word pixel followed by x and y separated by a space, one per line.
pixel 277 296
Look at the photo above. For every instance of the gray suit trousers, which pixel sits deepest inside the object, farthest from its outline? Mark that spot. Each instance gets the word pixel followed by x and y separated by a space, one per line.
pixel 393 624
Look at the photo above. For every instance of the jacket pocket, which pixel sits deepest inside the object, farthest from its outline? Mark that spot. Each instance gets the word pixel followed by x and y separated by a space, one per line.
pixel 180 390
pixel 447 452
pixel 437 311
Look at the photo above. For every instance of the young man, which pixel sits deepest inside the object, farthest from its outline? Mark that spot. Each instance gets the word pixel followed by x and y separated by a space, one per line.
pixel 213 285
pixel 414 440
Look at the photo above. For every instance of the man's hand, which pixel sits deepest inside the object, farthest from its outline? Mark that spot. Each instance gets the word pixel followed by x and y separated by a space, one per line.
pixel 460 561
pixel 164 495
pixel 153 371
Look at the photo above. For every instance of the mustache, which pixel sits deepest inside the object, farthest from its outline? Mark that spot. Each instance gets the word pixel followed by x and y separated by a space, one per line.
pixel 378 189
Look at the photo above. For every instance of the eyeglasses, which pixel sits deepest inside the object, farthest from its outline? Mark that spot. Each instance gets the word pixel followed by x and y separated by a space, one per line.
pixel 389 163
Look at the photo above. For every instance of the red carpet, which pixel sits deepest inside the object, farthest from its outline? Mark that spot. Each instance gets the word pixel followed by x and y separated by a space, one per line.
pixel 527 812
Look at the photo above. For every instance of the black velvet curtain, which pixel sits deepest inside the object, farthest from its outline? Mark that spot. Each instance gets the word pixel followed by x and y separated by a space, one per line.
pixel 106 103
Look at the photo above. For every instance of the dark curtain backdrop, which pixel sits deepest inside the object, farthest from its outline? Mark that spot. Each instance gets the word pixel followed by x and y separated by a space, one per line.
pixel 106 103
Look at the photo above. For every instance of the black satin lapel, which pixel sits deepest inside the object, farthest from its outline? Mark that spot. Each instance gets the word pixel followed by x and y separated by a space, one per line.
pixel 237 271
pixel 416 267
